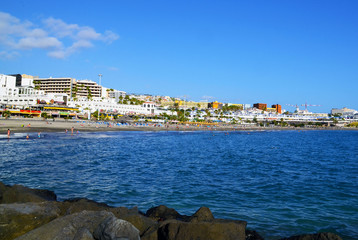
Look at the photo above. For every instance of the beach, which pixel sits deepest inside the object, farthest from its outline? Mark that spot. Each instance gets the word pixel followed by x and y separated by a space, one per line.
pixel 24 125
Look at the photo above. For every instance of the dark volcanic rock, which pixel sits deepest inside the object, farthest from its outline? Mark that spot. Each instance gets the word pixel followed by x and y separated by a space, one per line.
pixel 253 235
pixel 76 205
pixel 162 213
pixel 19 218
pixel 18 193
pixel 317 236
pixel 214 230
pixel 142 223
pixel 201 225
pixel 202 215
pixel 113 228
pixel 81 226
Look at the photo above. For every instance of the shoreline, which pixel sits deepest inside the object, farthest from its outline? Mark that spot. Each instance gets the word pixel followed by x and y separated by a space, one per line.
pixel 60 125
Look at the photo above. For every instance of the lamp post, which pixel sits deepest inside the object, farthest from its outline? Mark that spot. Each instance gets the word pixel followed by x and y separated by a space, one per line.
pixel 100 79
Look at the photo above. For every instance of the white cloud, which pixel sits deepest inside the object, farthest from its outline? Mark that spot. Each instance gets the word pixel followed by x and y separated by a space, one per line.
pixel 88 33
pixel 38 42
pixel 8 55
pixel 59 28
pixel 55 36
pixel 57 54
pixel 110 36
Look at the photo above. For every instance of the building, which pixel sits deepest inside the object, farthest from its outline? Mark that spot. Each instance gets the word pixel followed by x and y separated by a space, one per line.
pixel 191 104
pixel 86 88
pixel 261 106
pixel 55 85
pixel 246 106
pixel 18 92
pixel 277 107
pixel 215 105
pixel 344 111
pixel 69 86
pixel 116 94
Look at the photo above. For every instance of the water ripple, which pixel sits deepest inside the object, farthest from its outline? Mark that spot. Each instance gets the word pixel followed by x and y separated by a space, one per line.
pixel 282 183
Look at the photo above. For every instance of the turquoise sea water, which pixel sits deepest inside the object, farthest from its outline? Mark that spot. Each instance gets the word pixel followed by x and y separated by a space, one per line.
pixel 281 182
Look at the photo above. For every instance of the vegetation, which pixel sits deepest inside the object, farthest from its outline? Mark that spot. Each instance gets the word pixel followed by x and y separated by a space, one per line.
pixel 6 114
pixel 353 124
pixel 234 108
pixel 37 84
pixel 44 115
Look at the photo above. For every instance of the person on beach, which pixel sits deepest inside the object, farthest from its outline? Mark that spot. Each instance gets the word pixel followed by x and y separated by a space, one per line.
pixel 27 136
pixel 39 135
pixel 65 130
pixel 8 133
pixel 72 128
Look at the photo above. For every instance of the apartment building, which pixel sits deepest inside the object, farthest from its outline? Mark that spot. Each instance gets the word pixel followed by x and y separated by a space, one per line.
pixel 55 85
pixel 69 86
pixel 86 88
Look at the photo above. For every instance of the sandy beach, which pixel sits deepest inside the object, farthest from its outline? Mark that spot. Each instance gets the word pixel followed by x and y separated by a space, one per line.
pixel 22 125
pixel 59 125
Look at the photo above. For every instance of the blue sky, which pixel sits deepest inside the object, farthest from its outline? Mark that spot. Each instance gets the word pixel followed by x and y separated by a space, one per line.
pixel 286 52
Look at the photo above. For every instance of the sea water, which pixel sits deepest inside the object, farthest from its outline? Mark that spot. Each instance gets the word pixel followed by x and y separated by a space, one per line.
pixel 282 183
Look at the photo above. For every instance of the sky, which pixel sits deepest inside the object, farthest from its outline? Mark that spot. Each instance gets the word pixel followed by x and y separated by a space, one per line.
pixel 274 52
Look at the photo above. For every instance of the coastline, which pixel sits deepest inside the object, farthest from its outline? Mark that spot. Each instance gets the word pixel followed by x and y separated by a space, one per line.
pixel 22 125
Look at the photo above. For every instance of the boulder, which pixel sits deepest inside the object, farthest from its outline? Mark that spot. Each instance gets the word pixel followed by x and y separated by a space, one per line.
pixel 213 230
pixel 113 229
pixel 253 235
pixel 316 236
pixel 19 218
pixel 81 226
pixel 142 223
pixel 133 216
pixel 76 205
pixel 202 215
pixel 162 213
pixel 151 233
pixel 83 234
pixel 18 193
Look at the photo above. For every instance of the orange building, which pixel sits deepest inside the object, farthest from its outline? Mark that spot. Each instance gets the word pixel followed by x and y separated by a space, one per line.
pixel 215 105
pixel 261 106
pixel 277 107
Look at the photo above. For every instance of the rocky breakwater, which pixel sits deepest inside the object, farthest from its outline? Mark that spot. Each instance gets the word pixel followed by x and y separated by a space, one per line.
pixel 36 214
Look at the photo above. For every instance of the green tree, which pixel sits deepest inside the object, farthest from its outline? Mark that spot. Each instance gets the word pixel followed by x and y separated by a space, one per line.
pixel 44 115
pixel 6 114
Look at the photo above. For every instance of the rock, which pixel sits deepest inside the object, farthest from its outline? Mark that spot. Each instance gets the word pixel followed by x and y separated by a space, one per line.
pixel 316 236
pixel 253 235
pixel 18 193
pixel 19 218
pixel 202 215
pixel 151 233
pixel 79 225
pixel 162 213
pixel 214 230
pixel 113 229
pixel 83 234
pixel 76 205
pixel 142 223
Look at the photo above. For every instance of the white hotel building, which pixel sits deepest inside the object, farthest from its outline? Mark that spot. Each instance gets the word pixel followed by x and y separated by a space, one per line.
pixel 20 92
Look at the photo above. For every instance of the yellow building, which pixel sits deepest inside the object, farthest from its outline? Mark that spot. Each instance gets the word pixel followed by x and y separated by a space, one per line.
pixel 215 105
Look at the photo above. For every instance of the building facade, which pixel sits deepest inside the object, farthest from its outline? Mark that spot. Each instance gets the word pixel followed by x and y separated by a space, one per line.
pixel 261 106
